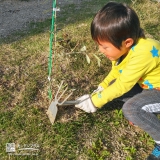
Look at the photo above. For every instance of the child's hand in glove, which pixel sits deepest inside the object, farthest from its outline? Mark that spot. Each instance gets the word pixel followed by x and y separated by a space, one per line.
pixel 86 104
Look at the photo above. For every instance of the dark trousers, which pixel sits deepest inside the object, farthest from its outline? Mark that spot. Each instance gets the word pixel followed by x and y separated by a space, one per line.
pixel 141 108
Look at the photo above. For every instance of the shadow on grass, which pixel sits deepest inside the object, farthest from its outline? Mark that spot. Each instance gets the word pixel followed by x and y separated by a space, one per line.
pixel 113 105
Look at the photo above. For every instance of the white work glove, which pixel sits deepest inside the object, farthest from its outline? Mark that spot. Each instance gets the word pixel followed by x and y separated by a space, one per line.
pixel 99 89
pixel 86 104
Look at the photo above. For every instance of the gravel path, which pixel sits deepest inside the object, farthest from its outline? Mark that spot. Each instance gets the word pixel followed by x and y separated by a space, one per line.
pixel 17 14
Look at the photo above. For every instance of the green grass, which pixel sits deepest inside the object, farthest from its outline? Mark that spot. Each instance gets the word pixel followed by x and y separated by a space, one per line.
pixel 105 134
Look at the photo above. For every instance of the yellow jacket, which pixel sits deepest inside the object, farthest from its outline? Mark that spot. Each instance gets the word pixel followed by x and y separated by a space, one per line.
pixel 141 65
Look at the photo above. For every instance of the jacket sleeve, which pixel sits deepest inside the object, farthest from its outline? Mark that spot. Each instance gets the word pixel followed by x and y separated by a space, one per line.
pixel 113 74
pixel 139 64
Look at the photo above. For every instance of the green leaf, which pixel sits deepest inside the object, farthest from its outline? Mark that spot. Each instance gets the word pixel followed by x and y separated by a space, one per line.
pixel 98 60
pixel 88 59
pixel 83 49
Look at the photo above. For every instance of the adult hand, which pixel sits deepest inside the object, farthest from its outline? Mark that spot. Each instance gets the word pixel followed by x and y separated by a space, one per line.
pixel 86 104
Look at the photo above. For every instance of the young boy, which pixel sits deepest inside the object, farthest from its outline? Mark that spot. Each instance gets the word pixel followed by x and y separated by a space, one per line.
pixel 135 73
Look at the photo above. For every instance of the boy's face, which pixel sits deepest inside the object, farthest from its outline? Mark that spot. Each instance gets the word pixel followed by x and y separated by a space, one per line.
pixel 110 51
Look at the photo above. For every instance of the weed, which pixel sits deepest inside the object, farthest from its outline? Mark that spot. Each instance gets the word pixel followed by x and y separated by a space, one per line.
pixel 97 151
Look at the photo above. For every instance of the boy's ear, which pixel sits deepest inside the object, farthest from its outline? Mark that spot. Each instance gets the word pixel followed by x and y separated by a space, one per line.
pixel 128 42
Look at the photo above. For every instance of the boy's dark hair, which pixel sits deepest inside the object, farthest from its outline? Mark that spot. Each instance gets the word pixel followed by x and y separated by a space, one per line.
pixel 116 22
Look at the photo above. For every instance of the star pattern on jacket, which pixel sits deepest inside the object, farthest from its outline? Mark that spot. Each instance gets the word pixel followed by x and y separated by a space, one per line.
pixel 154 52
pixel 150 86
